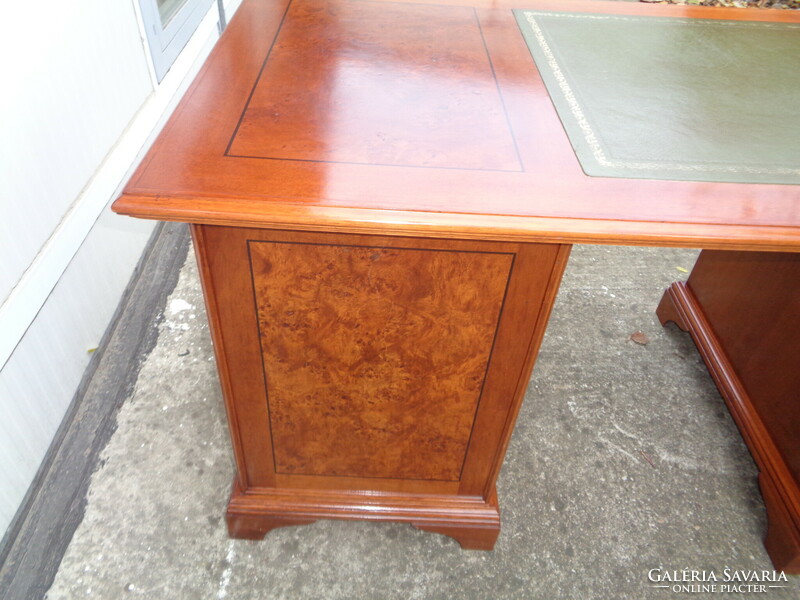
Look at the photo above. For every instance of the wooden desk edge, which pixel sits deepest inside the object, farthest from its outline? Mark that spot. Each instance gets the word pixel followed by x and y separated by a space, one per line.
pixel 464 226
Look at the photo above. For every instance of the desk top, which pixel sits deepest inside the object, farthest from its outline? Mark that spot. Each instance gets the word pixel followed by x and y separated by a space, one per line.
pixel 421 119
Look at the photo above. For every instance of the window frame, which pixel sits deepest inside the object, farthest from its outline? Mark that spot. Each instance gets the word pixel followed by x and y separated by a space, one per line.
pixel 167 42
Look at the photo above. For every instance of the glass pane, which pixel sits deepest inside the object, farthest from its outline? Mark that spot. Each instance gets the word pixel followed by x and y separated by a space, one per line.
pixel 168 8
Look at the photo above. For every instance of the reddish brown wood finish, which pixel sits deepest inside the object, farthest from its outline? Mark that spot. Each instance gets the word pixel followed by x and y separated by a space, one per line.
pixel 373 377
pixel 413 127
pixel 375 357
pixel 403 118
pixel 387 109
pixel 474 537
pixel 743 312
pixel 473 522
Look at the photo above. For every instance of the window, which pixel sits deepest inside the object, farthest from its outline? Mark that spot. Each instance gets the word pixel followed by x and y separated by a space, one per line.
pixel 169 25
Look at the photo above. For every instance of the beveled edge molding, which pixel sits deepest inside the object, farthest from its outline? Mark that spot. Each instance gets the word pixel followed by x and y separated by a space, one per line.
pixel 472 521
pixel 379 506
pixel 779 489
pixel 783 537
pixel 502 228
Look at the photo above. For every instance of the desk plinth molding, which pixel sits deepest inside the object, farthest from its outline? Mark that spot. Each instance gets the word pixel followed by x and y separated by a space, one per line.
pixel 472 521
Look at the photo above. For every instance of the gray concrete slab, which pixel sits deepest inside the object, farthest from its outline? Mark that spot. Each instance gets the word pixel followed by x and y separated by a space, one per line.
pixel 624 460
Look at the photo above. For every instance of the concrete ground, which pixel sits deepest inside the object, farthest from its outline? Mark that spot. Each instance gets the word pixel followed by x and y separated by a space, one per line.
pixel 624 460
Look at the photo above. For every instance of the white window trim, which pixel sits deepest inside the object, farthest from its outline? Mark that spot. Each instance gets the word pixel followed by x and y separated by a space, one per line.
pixel 167 42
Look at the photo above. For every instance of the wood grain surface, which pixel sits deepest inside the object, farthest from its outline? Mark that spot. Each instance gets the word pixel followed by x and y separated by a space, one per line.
pixel 375 357
pixel 372 377
pixel 752 301
pixel 370 94
pixel 412 118
pixel 393 346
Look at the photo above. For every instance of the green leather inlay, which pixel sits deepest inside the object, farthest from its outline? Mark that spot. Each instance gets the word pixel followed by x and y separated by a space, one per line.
pixel 667 98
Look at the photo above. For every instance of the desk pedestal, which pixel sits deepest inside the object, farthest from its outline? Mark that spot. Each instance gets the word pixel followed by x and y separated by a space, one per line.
pixel 372 377
pixel 743 312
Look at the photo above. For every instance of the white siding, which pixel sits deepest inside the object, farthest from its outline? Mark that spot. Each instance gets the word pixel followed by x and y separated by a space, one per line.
pixel 39 380
pixel 74 74
pixel 77 111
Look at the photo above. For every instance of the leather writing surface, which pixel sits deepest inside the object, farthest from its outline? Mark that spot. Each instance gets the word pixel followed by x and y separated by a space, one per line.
pixel 671 98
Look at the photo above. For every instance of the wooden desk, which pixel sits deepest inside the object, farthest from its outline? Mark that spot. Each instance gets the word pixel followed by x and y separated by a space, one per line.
pixel 383 200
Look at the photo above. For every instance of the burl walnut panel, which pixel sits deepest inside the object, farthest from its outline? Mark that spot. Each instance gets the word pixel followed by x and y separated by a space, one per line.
pixel 375 357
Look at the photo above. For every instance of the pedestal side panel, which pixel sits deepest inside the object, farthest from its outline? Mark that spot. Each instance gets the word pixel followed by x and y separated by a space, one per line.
pixel 752 301
pixel 375 357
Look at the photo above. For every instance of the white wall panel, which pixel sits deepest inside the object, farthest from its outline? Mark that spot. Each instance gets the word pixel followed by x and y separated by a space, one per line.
pixel 74 74
pixel 39 380
pixel 81 109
